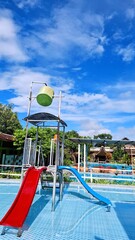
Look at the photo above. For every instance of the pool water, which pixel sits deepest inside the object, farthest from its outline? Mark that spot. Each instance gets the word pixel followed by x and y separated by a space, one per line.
pixel 77 217
pixel 116 166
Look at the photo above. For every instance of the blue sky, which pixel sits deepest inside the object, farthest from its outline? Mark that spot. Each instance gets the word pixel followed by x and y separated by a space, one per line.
pixel 86 49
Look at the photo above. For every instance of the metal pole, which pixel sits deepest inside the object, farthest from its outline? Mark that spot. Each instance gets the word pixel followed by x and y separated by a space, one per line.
pixel 84 160
pixel 78 157
pixel 55 175
pixel 39 150
pixel 51 152
pixel 62 150
pixel 29 108
pixel 24 149
pixel 35 150
pixel 57 157
pixel 132 162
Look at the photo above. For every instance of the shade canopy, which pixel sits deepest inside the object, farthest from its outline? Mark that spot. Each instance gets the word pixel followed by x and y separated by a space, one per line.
pixel 42 118
pixel 102 142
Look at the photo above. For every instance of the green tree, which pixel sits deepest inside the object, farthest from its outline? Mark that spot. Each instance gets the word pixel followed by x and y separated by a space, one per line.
pixel 8 119
pixel 103 136
pixel 71 148
pixel 44 137
pixel 118 153
pixel 19 135
pixel 126 159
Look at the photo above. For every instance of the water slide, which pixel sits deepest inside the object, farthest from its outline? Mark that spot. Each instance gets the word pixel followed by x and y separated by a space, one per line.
pixel 19 209
pixel 89 189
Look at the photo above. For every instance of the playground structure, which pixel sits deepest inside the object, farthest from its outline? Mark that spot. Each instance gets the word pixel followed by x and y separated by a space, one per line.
pixel 33 169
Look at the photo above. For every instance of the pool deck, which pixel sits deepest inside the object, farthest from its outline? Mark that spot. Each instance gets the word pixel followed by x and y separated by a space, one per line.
pixel 77 217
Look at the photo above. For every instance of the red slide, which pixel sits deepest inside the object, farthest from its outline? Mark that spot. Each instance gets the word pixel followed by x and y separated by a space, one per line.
pixel 18 211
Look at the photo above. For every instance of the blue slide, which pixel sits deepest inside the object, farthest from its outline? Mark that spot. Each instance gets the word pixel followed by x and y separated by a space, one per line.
pixel 89 189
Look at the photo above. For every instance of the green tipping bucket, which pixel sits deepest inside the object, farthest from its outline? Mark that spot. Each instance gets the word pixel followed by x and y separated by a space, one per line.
pixel 45 96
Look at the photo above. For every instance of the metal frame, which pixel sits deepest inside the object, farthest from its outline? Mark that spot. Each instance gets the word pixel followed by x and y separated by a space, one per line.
pixel 85 141
pixel 45 118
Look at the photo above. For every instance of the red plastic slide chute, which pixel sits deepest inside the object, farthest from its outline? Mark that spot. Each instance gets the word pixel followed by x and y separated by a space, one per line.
pixel 18 211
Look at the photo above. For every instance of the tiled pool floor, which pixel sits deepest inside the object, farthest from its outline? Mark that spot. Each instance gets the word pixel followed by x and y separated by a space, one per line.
pixel 77 217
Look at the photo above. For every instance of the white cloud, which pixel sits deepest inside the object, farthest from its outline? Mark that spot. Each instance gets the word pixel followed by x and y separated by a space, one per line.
pixel 20 79
pixel 119 35
pixel 74 106
pixel 91 128
pixel 122 132
pixel 130 13
pixel 10 48
pixel 68 31
pixel 26 3
pixel 127 53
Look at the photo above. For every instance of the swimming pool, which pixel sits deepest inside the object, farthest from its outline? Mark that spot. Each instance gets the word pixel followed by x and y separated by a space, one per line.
pixel 117 178
pixel 112 165
pixel 77 217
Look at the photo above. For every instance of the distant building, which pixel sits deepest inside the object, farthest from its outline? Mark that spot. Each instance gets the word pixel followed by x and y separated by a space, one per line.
pixel 8 153
pixel 101 154
pixel 130 149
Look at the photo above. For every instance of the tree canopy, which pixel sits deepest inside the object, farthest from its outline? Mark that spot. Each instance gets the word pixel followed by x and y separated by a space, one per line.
pixel 44 137
pixel 8 119
pixel 103 136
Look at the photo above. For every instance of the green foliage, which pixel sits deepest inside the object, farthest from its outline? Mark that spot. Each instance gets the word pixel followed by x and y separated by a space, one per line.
pixel 125 158
pixel 8 119
pixel 10 175
pixel 105 181
pixel 118 153
pixel 103 136
pixel 44 136
pixel 67 178
pixel 71 148
pixel 19 135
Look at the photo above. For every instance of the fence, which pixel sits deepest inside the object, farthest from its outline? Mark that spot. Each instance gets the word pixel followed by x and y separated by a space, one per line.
pixel 108 175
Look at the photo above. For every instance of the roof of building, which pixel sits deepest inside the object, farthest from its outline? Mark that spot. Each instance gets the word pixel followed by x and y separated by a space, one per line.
pixel 101 152
pixel 6 137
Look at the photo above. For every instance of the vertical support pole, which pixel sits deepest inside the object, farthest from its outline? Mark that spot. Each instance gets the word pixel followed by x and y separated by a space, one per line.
pixel 84 160
pixel 39 153
pixel 62 147
pixel 3 231
pixel 27 123
pixel 55 174
pixel 132 162
pixel 57 160
pixel 60 184
pixel 91 178
pixel 35 150
pixel 19 233
pixel 61 163
pixel 30 146
pixel 78 157
pixel 51 152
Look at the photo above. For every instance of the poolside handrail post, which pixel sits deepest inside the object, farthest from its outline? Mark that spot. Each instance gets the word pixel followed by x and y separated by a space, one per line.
pixel 91 178
pixel 79 157
pixel 84 160
pixel 61 182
